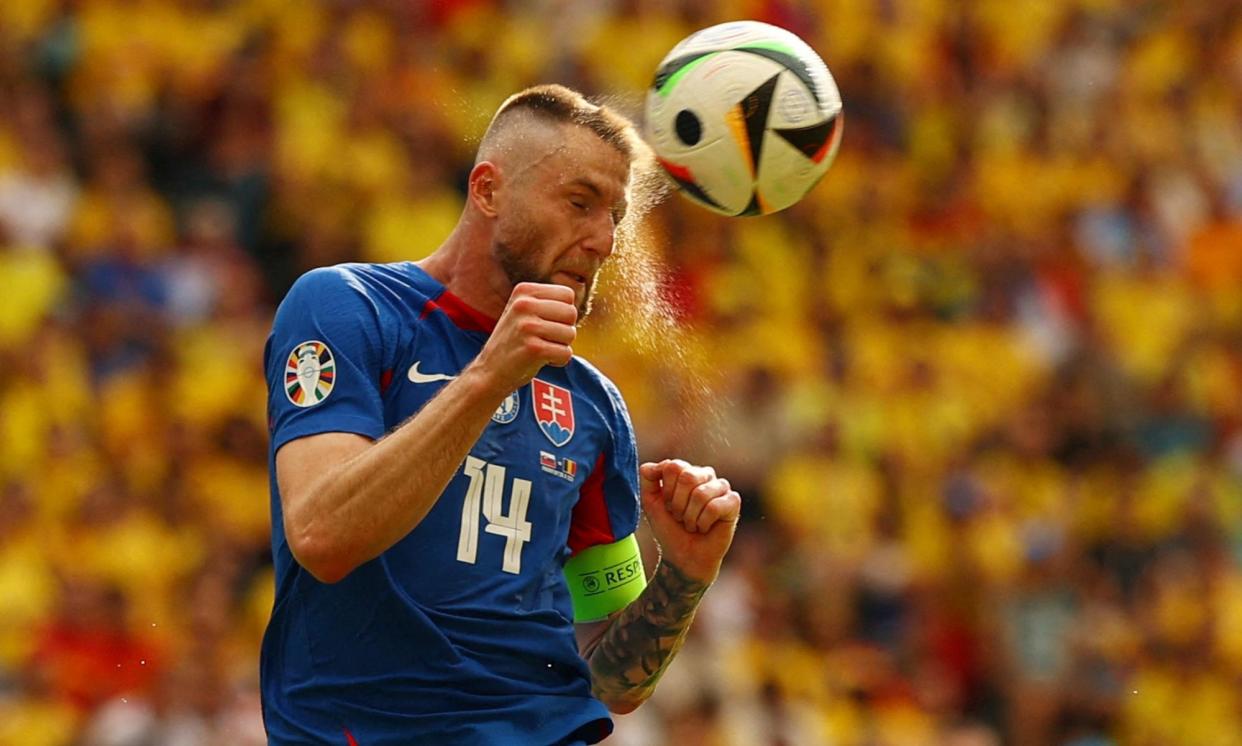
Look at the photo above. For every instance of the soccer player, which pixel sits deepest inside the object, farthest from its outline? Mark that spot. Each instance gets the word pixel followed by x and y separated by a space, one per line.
pixel 452 490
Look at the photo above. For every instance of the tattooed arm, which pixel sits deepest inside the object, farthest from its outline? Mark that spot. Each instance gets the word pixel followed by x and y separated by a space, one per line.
pixel 692 514
pixel 638 642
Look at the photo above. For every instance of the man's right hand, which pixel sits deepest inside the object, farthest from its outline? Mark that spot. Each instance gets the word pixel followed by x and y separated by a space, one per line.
pixel 536 329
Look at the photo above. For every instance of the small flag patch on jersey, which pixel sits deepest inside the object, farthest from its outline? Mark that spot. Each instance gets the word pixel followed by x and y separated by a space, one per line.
pixel 565 468
pixel 554 411
pixel 310 374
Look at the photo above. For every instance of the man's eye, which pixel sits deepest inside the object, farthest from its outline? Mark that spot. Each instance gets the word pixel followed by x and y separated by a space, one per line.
pixel 579 204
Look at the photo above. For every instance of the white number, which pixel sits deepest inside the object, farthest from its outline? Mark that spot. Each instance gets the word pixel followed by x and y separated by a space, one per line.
pixel 487 486
pixel 468 541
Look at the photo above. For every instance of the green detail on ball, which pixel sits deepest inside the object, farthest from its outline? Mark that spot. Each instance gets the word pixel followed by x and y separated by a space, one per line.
pixel 675 75
pixel 775 46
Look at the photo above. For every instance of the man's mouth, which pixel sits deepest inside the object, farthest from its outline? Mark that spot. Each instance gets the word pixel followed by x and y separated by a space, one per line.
pixel 573 276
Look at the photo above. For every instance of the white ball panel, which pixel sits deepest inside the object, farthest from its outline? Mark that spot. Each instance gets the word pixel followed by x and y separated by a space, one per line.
pixel 719 164
pixel 785 174
pixel 721 171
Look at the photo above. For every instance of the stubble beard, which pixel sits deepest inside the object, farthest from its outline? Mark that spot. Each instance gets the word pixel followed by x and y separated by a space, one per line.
pixel 515 260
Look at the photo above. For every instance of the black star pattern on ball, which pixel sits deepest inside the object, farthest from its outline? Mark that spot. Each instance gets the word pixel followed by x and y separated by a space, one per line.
pixel 791 62
pixel 752 209
pixel 810 141
pixel 754 108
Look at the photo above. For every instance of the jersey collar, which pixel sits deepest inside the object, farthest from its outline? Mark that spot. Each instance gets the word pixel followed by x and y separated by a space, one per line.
pixel 465 316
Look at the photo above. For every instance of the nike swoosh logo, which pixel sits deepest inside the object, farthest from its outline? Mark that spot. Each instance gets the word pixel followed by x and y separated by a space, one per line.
pixel 416 377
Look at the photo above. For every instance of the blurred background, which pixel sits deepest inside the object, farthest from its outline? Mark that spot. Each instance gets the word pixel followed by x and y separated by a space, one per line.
pixel 981 390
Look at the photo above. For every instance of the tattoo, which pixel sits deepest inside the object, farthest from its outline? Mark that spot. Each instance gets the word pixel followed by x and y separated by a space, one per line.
pixel 642 639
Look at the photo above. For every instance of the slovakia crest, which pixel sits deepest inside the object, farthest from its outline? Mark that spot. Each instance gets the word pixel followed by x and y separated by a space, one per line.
pixel 554 411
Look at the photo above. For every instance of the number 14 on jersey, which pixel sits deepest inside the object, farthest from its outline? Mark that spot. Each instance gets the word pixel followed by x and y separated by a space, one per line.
pixel 485 495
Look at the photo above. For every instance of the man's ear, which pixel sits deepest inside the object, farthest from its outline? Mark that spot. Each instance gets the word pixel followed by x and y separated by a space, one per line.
pixel 484 184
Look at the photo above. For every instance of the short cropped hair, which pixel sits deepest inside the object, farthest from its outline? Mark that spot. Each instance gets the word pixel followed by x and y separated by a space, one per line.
pixel 556 103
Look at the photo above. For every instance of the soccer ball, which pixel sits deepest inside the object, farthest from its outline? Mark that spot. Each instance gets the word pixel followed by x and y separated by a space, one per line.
pixel 744 117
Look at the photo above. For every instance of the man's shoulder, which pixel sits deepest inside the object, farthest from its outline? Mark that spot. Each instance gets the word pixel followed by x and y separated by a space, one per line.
pixel 383 288
pixel 587 372
pixel 367 279
pixel 596 384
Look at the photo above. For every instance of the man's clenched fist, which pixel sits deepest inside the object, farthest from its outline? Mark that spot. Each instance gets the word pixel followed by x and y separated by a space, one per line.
pixel 692 514
pixel 537 328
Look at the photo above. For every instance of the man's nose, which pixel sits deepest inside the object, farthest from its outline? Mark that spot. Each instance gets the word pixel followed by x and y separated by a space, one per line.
pixel 602 237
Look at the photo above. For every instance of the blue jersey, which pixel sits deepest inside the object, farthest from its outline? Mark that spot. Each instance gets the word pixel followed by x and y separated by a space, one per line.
pixel 462 631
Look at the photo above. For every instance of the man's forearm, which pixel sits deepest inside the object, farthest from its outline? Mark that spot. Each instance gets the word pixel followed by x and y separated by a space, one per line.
pixel 634 651
pixel 372 500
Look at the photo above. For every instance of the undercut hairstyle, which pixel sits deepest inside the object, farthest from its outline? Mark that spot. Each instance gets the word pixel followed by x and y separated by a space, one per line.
pixel 557 104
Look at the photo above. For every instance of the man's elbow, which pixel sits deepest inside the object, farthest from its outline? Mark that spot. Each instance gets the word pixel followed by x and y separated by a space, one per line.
pixel 623 708
pixel 323 558
pixel 624 704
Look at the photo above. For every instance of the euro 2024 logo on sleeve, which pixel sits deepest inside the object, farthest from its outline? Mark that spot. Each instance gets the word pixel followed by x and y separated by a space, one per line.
pixel 554 411
pixel 310 374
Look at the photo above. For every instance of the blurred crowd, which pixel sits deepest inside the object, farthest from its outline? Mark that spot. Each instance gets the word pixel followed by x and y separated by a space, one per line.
pixel 981 390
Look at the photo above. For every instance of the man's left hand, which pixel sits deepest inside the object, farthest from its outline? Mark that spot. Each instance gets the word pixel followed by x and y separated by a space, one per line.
pixel 692 514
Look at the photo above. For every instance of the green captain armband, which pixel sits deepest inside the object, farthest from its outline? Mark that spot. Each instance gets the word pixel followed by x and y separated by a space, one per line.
pixel 605 578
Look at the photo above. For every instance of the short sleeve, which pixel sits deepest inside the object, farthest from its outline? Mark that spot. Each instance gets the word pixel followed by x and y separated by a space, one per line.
pixel 608 504
pixel 323 359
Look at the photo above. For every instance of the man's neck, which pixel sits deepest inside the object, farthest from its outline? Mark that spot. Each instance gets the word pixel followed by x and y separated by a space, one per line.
pixel 464 264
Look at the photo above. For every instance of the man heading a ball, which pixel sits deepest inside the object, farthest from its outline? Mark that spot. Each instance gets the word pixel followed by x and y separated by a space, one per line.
pixel 452 490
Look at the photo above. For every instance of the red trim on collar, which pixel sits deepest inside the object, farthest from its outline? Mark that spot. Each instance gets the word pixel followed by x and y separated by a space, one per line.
pixel 466 317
